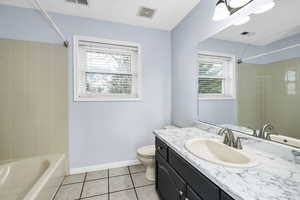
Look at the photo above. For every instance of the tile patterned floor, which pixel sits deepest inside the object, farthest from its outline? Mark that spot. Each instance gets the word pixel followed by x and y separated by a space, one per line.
pixel 125 183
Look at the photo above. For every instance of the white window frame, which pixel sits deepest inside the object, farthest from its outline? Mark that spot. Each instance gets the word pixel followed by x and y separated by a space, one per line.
pixel 229 76
pixel 76 71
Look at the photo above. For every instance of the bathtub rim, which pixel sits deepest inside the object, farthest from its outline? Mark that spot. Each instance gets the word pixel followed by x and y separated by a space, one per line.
pixel 55 161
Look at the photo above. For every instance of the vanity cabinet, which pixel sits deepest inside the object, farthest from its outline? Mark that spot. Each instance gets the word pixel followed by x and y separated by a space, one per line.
pixel 176 179
pixel 191 195
pixel 169 185
pixel 225 196
pixel 161 148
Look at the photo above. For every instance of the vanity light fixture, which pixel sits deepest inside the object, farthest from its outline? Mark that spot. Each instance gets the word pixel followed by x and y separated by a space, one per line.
pixel 265 6
pixel 221 11
pixel 237 3
pixel 226 8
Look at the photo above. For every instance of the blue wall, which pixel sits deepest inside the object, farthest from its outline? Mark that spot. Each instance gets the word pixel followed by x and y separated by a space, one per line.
pixel 104 132
pixel 196 27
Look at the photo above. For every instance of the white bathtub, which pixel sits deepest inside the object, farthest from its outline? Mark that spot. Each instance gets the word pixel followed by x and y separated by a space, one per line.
pixel 36 178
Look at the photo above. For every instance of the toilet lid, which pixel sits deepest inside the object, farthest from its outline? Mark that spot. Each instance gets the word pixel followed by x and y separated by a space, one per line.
pixel 147 151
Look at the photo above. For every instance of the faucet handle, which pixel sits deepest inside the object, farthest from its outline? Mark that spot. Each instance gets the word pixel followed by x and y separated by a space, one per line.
pixel 238 143
pixel 228 138
pixel 221 131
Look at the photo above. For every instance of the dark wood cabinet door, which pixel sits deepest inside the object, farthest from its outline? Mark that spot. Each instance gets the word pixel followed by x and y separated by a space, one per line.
pixel 168 184
pixel 170 167
pixel 225 196
pixel 191 195
pixel 200 184
pixel 161 148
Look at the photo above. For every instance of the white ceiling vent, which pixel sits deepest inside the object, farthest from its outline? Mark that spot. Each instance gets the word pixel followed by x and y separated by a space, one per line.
pixel 81 2
pixel 146 12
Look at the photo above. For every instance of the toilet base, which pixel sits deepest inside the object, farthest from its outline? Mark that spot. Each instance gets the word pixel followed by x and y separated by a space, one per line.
pixel 150 173
pixel 146 155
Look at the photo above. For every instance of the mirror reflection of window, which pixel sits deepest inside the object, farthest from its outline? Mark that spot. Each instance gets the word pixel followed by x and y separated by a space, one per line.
pixel 216 76
pixel 290 79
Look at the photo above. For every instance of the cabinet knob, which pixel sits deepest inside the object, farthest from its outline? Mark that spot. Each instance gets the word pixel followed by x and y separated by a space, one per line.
pixel 186 198
pixel 180 193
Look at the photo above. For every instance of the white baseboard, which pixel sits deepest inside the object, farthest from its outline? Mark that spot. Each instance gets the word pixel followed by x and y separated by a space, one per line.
pixel 103 166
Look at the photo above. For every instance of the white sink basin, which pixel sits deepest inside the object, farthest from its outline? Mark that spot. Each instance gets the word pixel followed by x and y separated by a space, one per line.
pixel 217 152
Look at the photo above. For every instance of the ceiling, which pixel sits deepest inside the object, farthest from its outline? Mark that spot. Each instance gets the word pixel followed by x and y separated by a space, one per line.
pixel 280 22
pixel 168 12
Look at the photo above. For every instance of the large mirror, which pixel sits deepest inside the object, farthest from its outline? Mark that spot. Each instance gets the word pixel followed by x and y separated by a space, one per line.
pixel 249 76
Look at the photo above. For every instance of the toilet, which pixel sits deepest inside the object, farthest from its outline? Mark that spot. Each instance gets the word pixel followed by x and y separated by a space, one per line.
pixel 146 155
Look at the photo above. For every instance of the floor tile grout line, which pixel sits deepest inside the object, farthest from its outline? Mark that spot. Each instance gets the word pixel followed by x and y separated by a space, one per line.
pixel 144 186
pixel 108 195
pixel 108 177
pixel 133 184
pixel 97 195
pixel 91 180
pixel 58 188
pixel 83 185
pixel 121 190
pixel 97 179
pixel 128 189
pixel 72 183
pixel 138 172
pixel 119 175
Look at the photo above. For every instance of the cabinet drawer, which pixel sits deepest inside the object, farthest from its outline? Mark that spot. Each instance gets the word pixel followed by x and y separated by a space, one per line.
pixel 225 196
pixel 161 148
pixel 200 184
pixel 191 195
pixel 169 184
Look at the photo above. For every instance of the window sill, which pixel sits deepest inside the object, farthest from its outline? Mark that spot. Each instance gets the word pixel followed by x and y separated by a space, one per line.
pixel 97 99
pixel 216 98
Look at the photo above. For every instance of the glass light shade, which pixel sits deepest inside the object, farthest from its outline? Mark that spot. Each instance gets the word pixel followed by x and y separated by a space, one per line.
pixel 266 6
pixel 241 21
pixel 221 11
pixel 237 3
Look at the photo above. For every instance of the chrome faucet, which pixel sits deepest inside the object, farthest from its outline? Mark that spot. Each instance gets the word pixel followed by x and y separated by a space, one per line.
pixel 268 135
pixel 254 131
pixel 265 131
pixel 229 138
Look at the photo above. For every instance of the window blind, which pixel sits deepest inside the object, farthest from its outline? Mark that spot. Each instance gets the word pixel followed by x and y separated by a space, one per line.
pixel 211 78
pixel 215 76
pixel 107 69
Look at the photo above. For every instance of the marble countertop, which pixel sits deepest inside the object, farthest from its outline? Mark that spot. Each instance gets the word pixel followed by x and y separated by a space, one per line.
pixel 274 178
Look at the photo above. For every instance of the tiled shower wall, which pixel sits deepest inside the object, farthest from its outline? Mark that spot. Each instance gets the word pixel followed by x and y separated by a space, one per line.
pixel 270 93
pixel 34 99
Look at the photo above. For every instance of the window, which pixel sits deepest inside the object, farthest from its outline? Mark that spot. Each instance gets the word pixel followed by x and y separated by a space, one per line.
pixel 291 82
pixel 216 76
pixel 106 70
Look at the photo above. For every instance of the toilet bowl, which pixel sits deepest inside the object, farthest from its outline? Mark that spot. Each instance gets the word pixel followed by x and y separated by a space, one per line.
pixel 146 155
